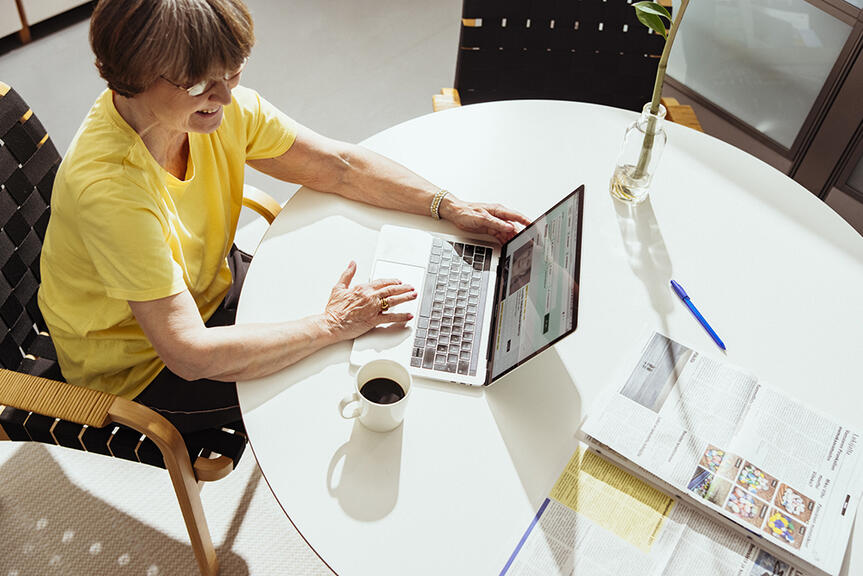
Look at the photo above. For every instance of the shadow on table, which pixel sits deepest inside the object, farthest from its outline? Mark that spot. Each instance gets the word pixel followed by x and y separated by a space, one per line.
pixel 537 409
pixel 647 255
pixel 367 483
pixel 261 390
pixel 52 526
pixel 846 563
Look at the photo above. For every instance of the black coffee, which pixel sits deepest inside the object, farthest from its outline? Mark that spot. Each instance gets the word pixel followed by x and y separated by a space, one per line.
pixel 382 391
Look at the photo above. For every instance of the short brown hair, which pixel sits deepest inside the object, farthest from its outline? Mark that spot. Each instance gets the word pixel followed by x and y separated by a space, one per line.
pixel 186 41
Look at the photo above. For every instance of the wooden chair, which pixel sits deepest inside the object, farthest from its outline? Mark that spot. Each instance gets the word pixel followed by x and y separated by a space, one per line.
pixel 36 405
pixel 582 50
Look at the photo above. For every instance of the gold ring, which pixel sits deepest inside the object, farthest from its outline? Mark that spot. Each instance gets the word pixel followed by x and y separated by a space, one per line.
pixel 385 305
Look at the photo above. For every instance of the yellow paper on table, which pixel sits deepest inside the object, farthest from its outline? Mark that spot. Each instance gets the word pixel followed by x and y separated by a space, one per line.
pixel 612 498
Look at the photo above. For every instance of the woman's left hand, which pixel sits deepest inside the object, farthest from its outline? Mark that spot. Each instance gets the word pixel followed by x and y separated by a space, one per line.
pixel 492 219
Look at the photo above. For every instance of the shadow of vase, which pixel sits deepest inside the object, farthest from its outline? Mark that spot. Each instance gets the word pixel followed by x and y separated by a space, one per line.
pixel 647 255
pixel 364 472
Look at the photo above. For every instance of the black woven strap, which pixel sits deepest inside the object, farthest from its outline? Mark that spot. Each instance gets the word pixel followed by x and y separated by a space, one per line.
pixel 583 50
pixel 28 165
pixel 226 443
pixel 114 440
pixel 117 441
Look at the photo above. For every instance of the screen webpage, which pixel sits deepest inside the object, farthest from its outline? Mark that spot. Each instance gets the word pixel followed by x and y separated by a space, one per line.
pixel 537 293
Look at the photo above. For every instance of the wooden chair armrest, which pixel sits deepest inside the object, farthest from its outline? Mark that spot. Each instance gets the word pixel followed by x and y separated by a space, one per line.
pixel 99 409
pixel 261 202
pixel 81 405
pixel 55 399
pixel 150 423
pixel 681 114
pixel 212 469
pixel 168 439
pixel 448 98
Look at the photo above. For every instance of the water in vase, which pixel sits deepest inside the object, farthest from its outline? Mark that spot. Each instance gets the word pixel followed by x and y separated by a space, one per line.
pixel 624 186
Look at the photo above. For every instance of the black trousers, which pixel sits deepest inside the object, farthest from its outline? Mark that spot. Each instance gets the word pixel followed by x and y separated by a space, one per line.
pixel 194 405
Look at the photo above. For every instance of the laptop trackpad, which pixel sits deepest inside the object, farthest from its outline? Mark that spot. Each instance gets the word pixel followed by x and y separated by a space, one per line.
pixel 392 341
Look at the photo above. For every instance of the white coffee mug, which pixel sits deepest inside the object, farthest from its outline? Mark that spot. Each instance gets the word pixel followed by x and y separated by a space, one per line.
pixel 381 393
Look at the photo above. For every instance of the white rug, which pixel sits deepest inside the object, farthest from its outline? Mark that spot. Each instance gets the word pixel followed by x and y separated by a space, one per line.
pixel 70 513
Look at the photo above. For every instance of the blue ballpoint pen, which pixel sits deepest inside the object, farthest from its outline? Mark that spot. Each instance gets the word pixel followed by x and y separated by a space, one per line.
pixel 685 297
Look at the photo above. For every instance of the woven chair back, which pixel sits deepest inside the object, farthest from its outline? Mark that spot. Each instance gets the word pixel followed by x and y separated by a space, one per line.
pixel 28 164
pixel 585 50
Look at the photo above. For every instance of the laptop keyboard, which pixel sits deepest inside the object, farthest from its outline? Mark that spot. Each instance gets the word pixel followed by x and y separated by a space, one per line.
pixel 449 322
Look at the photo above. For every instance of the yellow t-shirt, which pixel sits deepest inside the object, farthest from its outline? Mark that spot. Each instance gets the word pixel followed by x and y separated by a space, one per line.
pixel 123 228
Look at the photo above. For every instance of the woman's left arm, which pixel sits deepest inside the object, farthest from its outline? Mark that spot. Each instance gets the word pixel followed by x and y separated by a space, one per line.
pixel 357 173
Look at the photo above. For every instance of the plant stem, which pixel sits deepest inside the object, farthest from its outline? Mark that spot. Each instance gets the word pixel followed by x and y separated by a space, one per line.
pixel 647 144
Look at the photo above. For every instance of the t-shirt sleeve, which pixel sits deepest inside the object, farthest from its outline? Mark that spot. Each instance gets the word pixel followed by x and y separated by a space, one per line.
pixel 269 131
pixel 126 236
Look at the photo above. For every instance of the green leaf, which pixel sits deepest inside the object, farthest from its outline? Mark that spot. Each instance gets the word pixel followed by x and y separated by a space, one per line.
pixel 652 8
pixel 653 22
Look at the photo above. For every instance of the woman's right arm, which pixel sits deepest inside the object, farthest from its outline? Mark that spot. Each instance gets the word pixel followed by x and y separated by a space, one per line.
pixel 241 352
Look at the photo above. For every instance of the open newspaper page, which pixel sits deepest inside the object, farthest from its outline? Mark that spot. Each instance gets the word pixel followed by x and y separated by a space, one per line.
pixel 600 520
pixel 717 437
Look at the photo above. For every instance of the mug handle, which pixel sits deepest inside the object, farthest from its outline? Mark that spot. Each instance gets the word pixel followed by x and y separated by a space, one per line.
pixel 347 400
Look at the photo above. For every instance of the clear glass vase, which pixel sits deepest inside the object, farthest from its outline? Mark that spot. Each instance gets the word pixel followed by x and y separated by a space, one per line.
pixel 639 156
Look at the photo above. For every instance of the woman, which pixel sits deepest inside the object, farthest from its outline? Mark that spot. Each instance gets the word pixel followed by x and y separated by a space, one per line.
pixel 139 278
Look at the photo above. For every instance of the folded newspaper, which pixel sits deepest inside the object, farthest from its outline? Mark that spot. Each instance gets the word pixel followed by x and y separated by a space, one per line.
pixel 780 475
pixel 600 520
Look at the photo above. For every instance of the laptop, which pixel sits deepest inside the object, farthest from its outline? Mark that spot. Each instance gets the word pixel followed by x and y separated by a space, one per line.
pixel 481 310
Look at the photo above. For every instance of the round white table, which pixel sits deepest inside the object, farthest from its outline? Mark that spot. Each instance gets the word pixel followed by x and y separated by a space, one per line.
pixel 777 273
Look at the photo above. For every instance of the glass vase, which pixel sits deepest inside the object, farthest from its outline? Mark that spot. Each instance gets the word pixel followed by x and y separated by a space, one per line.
pixel 639 156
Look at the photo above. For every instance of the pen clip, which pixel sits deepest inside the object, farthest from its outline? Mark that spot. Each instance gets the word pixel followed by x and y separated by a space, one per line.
pixel 679 290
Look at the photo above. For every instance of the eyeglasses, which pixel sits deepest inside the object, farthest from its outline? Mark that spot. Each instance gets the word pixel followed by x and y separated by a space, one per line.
pixel 207 85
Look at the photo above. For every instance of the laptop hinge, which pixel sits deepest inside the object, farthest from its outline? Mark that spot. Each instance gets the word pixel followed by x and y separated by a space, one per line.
pixel 493 326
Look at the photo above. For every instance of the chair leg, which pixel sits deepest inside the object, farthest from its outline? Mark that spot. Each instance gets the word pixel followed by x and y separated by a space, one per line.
pixel 189 497
pixel 170 443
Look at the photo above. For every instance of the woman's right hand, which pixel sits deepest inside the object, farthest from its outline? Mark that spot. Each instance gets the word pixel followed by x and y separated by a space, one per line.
pixel 353 311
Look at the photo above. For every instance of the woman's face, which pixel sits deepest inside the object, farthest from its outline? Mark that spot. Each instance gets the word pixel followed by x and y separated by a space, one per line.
pixel 177 110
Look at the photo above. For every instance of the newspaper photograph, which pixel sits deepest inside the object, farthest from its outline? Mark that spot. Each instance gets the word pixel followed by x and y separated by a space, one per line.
pixel 739 448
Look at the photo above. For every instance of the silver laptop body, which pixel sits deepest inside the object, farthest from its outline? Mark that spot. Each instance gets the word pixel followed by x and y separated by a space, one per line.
pixel 481 310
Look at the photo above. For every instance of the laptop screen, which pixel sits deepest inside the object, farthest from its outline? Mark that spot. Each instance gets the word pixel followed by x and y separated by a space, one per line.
pixel 537 299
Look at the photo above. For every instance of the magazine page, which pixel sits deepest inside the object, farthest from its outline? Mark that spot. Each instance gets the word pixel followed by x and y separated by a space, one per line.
pixel 725 440
pixel 600 520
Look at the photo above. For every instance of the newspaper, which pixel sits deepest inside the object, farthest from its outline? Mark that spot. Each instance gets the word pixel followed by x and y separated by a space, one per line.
pixel 713 435
pixel 601 521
